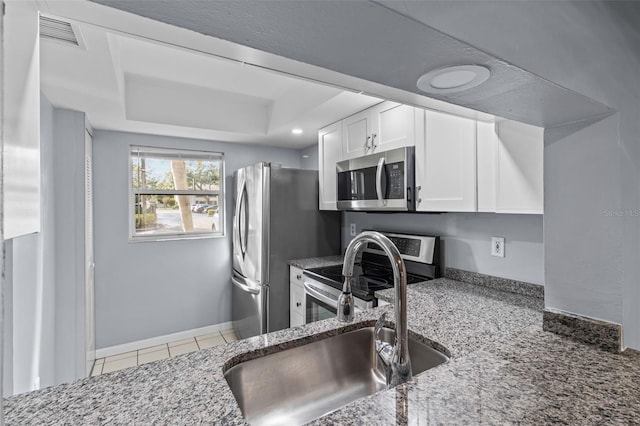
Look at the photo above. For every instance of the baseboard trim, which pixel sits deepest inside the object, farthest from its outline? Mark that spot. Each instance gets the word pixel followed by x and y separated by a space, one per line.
pixel 605 335
pixel 160 340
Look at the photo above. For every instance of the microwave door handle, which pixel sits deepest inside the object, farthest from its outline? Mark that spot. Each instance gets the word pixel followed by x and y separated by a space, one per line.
pixel 379 172
pixel 313 292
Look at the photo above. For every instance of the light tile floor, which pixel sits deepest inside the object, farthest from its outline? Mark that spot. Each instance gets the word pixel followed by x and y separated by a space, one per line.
pixel 156 353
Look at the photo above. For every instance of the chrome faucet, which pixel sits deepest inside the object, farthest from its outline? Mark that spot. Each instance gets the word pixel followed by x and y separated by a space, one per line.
pixel 395 358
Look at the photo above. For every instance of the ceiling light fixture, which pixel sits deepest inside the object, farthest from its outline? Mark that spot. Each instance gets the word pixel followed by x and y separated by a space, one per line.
pixel 453 79
pixel 296 131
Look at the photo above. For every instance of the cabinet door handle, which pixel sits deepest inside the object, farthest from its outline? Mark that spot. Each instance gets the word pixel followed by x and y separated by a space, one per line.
pixel 373 141
pixel 366 144
pixel 298 277
pixel 298 304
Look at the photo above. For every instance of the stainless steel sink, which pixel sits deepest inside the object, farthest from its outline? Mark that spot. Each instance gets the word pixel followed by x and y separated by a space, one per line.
pixel 297 385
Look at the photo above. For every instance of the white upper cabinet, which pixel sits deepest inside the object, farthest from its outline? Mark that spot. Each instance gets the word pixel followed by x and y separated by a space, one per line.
pixel 487 140
pixel 394 126
pixel 510 167
pixel 383 127
pixel 356 135
pixel 329 153
pixel 519 168
pixel 446 164
pixel 461 165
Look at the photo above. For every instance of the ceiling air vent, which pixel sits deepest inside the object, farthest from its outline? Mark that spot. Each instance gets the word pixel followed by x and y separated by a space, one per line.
pixel 54 29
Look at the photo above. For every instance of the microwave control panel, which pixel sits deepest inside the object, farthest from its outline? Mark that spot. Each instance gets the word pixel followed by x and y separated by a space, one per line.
pixel 395 182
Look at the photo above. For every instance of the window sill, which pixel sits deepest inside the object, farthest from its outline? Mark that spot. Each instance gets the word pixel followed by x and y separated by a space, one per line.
pixel 174 237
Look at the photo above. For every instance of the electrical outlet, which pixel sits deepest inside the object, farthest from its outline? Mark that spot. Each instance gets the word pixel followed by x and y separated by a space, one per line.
pixel 497 246
pixel 352 229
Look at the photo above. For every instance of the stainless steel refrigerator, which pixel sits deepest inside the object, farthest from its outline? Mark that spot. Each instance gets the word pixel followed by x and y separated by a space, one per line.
pixel 276 218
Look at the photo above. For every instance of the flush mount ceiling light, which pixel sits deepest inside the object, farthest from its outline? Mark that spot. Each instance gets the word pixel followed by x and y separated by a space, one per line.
pixel 296 131
pixel 453 79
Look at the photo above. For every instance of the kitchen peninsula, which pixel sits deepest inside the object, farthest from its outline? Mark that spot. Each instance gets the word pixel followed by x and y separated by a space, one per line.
pixel 503 369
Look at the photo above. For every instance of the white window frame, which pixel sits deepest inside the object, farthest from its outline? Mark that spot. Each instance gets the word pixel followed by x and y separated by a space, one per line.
pixel 187 154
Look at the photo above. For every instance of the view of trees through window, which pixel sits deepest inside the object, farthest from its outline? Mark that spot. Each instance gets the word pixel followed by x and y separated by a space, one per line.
pixel 176 192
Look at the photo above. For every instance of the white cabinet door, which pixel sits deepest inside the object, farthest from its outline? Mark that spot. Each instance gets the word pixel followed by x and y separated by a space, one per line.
pixel 329 153
pixel 446 164
pixel 519 168
pixel 486 164
pixel 394 126
pixel 356 135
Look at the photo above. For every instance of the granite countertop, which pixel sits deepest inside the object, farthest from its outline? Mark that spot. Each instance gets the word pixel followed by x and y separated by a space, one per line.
pixel 317 262
pixel 503 369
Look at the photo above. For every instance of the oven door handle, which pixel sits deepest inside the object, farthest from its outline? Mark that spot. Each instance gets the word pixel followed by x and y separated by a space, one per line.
pixel 313 292
pixel 379 172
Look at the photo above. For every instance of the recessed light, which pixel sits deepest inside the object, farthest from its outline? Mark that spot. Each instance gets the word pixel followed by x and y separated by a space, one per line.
pixel 296 131
pixel 453 79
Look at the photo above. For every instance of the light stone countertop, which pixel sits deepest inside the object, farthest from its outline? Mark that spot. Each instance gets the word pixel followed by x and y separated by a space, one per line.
pixel 317 262
pixel 503 370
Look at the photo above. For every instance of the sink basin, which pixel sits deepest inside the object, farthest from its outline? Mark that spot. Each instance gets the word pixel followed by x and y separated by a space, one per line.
pixel 297 385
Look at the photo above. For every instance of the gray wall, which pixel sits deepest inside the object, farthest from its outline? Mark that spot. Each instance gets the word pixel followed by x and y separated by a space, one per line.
pixel 466 239
pixel 591 258
pixel 309 158
pixel 150 289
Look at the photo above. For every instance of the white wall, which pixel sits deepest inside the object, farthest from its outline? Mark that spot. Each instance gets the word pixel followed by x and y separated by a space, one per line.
pixel 150 289
pixel 27 311
pixel 21 142
pixel 48 375
pixel 466 239
pixel 2 276
pixel 30 341
pixel 68 222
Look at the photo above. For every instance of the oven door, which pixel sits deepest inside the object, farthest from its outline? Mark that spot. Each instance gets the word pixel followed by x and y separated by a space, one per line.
pixel 321 302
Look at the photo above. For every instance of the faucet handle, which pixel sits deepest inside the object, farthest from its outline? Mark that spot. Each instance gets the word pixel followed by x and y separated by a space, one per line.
pixel 384 349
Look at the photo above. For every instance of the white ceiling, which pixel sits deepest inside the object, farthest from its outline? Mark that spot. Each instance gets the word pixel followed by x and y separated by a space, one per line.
pixel 129 83
pixel 388 43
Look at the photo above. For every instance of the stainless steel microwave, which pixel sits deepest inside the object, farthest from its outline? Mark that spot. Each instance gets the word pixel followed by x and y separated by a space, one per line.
pixel 380 181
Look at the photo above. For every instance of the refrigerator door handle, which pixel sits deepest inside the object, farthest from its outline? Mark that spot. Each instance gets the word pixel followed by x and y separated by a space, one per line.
pixel 244 287
pixel 243 242
pixel 245 199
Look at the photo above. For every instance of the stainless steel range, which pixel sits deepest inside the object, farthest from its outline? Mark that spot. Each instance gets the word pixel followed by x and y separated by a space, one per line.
pixel 323 285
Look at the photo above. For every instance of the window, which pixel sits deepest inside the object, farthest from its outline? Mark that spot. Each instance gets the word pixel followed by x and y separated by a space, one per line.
pixel 175 193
